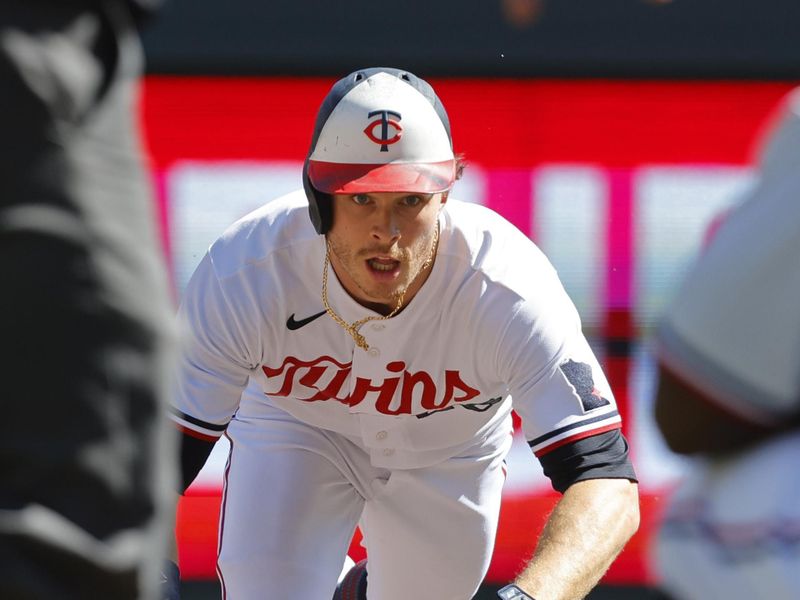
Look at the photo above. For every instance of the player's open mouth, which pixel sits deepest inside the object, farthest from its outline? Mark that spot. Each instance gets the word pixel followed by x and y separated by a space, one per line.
pixel 383 265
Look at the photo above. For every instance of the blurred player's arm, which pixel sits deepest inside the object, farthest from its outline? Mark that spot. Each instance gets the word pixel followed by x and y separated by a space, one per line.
pixel 692 423
pixel 597 515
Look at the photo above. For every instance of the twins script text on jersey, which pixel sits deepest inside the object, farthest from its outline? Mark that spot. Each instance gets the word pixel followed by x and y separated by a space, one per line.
pixel 327 379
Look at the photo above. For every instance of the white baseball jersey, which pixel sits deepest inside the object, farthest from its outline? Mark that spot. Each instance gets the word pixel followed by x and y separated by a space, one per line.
pixel 491 321
pixel 407 438
pixel 733 332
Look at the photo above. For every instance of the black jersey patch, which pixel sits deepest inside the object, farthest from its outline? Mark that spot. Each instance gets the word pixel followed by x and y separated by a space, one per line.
pixel 580 378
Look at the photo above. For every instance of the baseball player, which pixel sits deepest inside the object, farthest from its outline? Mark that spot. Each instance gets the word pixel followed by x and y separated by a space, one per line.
pixel 729 394
pixel 364 363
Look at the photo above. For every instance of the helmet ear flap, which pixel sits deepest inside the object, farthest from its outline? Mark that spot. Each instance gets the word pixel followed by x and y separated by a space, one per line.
pixel 320 205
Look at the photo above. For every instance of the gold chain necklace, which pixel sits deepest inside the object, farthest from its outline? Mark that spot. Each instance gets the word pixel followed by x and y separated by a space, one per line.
pixel 352 328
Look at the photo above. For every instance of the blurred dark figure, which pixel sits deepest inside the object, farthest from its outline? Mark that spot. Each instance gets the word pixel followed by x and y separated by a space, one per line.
pixel 524 14
pixel 729 395
pixel 86 329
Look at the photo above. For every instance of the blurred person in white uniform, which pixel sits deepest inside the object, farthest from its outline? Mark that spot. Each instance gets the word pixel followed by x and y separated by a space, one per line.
pixel 729 395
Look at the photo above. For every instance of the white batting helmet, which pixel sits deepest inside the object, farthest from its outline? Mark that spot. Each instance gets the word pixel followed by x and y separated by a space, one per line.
pixel 378 130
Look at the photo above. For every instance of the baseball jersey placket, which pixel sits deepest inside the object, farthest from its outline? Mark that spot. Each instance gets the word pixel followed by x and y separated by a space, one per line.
pixel 381 368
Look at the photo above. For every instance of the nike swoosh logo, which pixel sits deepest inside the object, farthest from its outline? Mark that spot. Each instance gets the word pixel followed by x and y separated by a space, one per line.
pixel 292 324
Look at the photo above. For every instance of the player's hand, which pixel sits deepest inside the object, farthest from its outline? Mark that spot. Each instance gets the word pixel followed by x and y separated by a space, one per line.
pixel 170 585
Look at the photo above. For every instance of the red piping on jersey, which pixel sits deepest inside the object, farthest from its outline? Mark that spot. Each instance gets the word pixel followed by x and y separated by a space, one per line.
pixel 222 516
pixel 196 434
pixel 576 437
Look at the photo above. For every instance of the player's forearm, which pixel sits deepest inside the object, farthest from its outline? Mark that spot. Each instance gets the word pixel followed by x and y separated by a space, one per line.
pixel 584 534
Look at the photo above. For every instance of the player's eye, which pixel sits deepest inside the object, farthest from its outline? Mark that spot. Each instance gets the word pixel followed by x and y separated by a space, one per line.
pixel 361 199
pixel 412 201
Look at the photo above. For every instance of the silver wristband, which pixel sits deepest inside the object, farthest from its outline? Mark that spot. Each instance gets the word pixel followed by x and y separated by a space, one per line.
pixel 512 592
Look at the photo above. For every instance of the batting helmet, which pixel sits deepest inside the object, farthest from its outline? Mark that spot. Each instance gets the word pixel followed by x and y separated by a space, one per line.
pixel 378 130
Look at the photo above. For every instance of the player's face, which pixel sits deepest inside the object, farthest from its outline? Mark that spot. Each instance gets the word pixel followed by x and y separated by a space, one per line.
pixel 379 243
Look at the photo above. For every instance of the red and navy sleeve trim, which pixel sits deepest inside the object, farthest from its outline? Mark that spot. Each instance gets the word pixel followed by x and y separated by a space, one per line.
pixel 197 428
pixel 204 424
pixel 575 431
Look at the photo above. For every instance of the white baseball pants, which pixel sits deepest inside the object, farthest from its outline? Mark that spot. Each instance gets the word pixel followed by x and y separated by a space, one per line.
pixel 294 494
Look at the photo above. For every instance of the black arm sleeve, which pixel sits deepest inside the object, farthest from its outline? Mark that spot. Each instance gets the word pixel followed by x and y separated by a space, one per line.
pixel 194 454
pixel 601 456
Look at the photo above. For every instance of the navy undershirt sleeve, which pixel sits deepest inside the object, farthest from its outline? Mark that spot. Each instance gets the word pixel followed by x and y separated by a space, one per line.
pixel 601 456
pixel 194 454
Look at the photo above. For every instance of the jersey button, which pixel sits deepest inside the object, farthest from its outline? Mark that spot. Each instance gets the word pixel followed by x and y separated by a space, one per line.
pixel 374 352
pixel 388 451
pixel 382 435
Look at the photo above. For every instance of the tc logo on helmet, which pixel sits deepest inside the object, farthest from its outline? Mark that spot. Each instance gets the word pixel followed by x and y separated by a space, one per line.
pixel 384 140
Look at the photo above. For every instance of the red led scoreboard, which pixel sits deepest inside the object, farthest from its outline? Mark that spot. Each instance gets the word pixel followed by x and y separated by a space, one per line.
pixel 616 181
